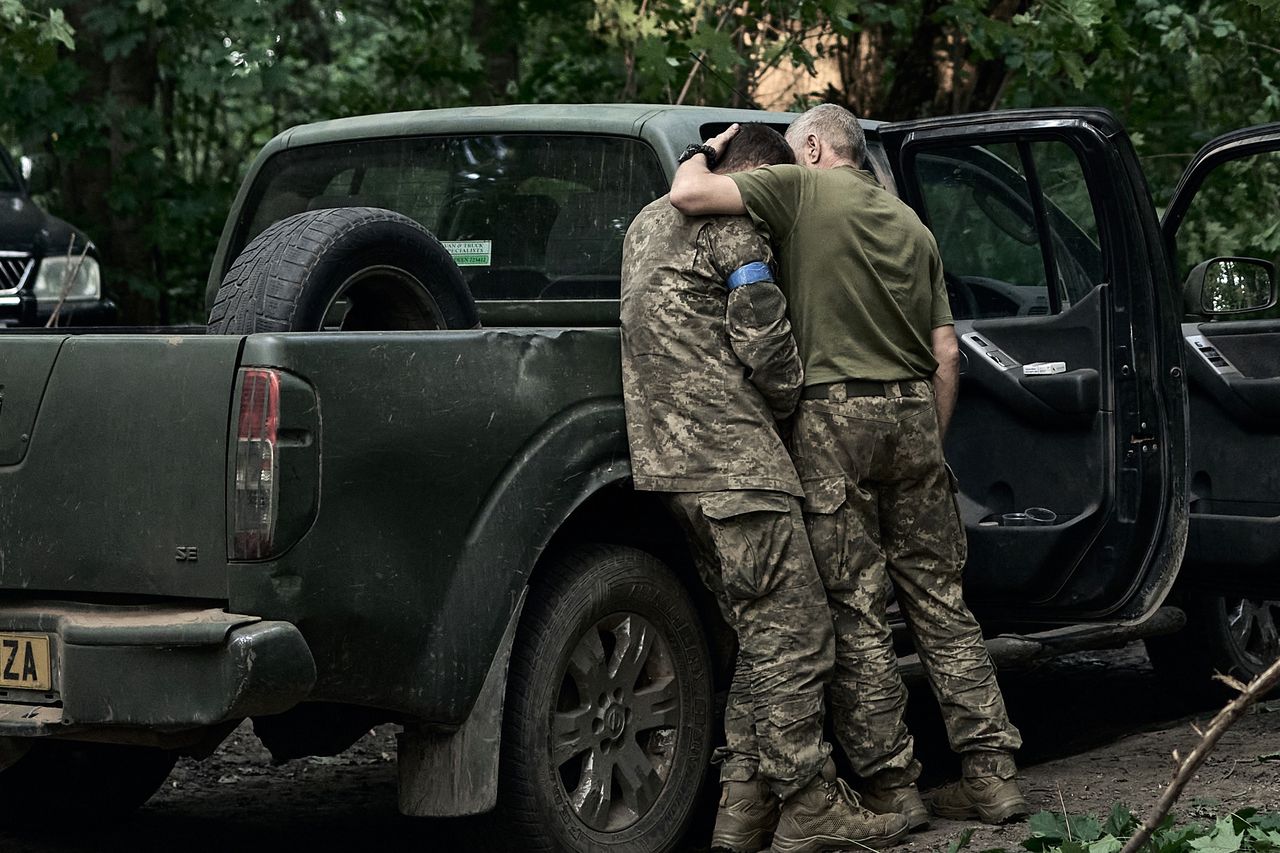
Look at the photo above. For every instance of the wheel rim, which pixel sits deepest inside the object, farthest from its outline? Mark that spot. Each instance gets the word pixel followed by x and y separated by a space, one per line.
pixel 382 298
pixel 614 727
pixel 1252 625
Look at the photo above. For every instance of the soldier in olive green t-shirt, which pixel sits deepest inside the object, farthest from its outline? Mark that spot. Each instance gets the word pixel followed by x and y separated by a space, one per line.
pixel 881 295
pixel 869 312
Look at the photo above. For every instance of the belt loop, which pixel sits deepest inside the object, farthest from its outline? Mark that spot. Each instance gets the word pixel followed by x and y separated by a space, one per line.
pixel 837 392
pixel 893 390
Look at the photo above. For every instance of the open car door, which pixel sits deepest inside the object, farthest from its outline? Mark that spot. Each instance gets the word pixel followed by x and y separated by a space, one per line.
pixel 1069 440
pixel 1222 229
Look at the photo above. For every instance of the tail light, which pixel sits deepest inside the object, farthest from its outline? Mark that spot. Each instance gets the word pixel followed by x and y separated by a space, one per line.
pixel 257 470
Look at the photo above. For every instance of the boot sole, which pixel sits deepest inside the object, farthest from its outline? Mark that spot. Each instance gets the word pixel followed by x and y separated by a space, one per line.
pixel 744 842
pixel 1003 812
pixel 824 843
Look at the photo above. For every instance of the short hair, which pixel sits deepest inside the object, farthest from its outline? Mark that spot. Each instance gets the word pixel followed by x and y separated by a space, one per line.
pixel 754 145
pixel 835 126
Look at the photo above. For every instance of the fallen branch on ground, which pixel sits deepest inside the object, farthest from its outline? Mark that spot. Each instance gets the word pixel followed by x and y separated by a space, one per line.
pixel 1227 717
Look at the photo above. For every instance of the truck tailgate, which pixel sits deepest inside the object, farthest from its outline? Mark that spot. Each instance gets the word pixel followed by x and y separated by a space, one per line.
pixel 117 465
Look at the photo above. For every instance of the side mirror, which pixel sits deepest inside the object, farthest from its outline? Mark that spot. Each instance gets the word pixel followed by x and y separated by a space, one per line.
pixel 1224 286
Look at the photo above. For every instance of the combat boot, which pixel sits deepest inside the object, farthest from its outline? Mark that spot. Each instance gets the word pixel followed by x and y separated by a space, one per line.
pixel 988 798
pixel 747 817
pixel 899 799
pixel 826 815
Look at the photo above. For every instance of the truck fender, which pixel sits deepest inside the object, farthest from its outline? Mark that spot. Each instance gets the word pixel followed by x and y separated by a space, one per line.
pixel 580 451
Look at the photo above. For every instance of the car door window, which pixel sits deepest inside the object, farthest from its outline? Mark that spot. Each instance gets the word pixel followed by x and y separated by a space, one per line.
pixel 1008 219
pixel 1235 212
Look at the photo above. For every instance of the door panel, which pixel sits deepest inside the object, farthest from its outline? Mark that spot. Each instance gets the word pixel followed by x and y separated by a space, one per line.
pixel 1069 438
pixel 1234 372
pixel 1226 205
pixel 1013 447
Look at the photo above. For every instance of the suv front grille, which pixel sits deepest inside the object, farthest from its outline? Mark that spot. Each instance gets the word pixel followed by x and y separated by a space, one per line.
pixel 14 271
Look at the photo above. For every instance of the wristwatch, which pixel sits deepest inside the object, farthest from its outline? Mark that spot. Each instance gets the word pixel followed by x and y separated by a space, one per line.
pixel 698 148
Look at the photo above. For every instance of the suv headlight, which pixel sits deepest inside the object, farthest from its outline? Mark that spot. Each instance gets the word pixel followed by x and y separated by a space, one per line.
pixel 79 278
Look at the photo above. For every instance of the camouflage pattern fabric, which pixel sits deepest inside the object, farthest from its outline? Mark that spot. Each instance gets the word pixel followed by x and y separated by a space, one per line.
pixel 881 514
pixel 705 370
pixel 752 553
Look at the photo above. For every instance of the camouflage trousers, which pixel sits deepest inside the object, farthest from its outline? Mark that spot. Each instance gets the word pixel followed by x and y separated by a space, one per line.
pixel 882 516
pixel 752 553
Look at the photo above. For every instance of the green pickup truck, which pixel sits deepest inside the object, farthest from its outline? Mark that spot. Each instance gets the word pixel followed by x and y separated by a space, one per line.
pixel 391 484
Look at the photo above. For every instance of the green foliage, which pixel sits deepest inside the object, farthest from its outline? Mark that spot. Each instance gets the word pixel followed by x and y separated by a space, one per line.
pixel 961 841
pixel 30 36
pixel 150 110
pixel 1178 74
pixel 1244 831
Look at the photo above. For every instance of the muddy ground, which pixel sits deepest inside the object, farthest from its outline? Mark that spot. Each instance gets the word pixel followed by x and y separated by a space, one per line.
pixel 1098 729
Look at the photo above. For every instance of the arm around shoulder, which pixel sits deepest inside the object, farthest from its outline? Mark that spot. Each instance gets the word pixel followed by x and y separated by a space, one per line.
pixel 697 191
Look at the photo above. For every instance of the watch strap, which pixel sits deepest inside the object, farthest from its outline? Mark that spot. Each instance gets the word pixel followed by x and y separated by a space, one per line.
pixel 695 149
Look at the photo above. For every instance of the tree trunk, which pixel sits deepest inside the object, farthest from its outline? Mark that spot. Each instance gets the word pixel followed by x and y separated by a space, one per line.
pixel 891 74
pixel 118 94
pixel 495 30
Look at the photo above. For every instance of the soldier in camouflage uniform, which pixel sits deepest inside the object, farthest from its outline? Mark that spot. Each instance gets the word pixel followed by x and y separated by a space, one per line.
pixel 864 281
pixel 709 366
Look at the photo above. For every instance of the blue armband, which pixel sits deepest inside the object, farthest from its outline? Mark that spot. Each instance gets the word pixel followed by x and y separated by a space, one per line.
pixel 749 274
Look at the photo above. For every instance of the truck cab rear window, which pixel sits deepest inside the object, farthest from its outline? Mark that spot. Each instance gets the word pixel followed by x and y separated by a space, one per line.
pixel 525 216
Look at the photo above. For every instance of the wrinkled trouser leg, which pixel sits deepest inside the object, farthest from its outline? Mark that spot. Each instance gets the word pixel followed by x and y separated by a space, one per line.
pixel 835 445
pixel 881 514
pixel 924 543
pixel 755 556
pixel 740 758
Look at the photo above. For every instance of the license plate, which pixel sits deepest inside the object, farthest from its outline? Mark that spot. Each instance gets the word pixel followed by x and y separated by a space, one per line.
pixel 24 662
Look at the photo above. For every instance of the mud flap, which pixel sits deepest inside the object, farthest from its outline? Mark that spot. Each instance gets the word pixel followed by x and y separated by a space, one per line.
pixel 452 774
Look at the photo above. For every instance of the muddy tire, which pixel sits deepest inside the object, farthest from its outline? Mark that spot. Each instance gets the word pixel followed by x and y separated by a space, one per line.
pixel 606 736
pixel 63 779
pixel 1224 634
pixel 347 268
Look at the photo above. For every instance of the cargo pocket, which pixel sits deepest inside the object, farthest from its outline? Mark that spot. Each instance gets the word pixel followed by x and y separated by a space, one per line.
pixel 751 532
pixel 786 714
pixel 826 517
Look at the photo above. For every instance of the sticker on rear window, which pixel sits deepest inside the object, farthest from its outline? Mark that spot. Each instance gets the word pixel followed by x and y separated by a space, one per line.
pixel 470 253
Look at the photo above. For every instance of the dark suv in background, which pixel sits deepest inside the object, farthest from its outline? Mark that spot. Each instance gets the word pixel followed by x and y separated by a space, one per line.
pixel 48 269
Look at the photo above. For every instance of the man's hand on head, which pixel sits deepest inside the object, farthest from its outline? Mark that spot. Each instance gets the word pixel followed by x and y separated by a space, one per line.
pixel 721 139
pixel 697 191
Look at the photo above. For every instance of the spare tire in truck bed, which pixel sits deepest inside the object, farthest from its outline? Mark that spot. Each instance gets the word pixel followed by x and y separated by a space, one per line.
pixel 348 268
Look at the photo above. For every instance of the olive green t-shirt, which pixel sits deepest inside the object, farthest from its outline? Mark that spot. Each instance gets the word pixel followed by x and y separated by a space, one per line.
pixel 859 269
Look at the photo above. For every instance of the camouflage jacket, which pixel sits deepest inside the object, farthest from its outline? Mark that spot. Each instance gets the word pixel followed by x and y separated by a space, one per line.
pixel 706 368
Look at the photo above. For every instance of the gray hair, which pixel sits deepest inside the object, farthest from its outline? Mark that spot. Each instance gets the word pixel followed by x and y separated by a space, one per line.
pixel 835 126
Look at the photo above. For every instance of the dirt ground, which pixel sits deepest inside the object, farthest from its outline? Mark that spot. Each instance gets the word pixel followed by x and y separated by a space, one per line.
pixel 1098 729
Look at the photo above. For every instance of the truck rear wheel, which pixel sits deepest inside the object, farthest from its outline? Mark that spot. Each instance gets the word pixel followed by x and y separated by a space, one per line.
pixel 57 778
pixel 1230 634
pixel 607 722
pixel 346 268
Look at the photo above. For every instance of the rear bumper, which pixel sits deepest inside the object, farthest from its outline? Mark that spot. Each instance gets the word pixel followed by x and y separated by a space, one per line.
pixel 163 668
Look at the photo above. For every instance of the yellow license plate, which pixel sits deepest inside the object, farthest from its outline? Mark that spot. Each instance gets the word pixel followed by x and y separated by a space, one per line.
pixel 24 662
